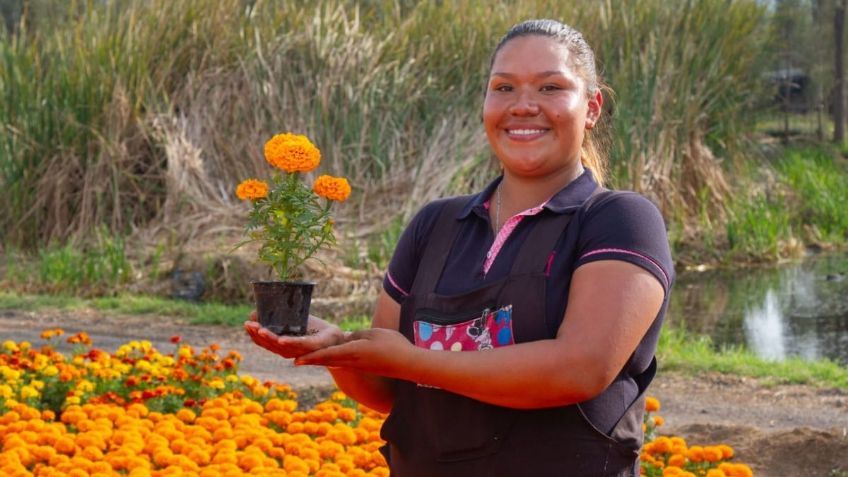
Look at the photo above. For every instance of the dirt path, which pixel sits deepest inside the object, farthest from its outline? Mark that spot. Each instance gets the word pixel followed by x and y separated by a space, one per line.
pixel 781 431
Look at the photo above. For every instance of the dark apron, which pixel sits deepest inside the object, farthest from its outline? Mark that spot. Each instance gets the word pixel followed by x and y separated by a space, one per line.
pixel 431 432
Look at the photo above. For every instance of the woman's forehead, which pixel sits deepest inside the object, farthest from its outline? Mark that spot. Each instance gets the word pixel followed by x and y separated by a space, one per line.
pixel 532 53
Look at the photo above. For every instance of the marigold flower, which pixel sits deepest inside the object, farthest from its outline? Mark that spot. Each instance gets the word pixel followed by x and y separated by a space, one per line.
pixel 726 451
pixel 696 454
pixel 712 454
pixel 332 188
pixel 652 404
pixel 80 338
pixel 248 189
pixel 292 153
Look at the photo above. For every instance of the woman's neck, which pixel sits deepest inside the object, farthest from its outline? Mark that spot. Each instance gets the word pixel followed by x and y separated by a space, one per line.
pixel 521 193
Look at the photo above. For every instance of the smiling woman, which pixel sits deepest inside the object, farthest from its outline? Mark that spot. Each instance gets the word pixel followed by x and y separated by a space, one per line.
pixel 520 346
pixel 535 117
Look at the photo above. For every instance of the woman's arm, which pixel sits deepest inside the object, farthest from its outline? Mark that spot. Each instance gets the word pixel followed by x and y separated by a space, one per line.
pixel 611 306
pixel 367 388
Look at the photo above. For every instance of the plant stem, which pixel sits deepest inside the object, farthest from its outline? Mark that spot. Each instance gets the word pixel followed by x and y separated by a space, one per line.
pixel 291 184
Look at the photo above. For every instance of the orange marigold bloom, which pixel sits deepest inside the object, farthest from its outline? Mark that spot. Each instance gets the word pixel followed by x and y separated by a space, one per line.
pixel 652 404
pixel 292 153
pixel 661 445
pixel 332 188
pixel 659 421
pixel 726 451
pixel 80 338
pixel 712 454
pixel 740 470
pixel 250 189
pixel 696 454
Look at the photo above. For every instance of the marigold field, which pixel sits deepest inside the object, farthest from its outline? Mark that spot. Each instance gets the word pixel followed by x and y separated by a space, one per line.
pixel 141 412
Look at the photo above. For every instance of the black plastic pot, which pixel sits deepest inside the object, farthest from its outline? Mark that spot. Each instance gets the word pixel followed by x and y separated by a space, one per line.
pixel 283 307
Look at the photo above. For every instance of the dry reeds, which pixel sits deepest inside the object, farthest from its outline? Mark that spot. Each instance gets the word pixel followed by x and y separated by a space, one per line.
pixel 145 114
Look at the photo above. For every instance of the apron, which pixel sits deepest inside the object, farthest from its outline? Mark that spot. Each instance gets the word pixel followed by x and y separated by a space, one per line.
pixel 432 432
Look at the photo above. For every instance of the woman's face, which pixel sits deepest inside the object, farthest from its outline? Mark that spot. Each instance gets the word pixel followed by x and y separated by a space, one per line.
pixel 537 108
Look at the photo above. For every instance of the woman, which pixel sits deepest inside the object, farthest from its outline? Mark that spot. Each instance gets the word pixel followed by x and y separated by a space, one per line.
pixel 553 289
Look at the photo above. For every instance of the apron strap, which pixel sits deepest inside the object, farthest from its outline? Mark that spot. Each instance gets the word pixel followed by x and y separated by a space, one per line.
pixel 440 243
pixel 536 252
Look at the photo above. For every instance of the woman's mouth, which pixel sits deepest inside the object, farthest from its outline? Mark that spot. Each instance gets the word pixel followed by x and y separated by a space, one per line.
pixel 525 134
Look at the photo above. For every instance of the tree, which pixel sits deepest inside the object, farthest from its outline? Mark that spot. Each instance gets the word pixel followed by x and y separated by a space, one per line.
pixel 839 71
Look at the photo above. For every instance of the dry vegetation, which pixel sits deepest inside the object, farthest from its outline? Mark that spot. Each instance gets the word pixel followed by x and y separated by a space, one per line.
pixel 143 115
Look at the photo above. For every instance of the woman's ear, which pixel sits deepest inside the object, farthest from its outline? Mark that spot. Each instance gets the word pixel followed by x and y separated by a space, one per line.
pixel 596 103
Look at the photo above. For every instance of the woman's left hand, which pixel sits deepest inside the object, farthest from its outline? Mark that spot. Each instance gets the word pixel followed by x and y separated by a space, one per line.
pixel 379 351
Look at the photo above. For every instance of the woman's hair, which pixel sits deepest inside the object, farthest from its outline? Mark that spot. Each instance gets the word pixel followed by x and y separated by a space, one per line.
pixel 593 152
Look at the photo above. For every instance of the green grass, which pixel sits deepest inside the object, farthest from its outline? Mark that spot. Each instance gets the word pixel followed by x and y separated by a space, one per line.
pixel 799 199
pixel 820 181
pixel 757 226
pixel 196 313
pixel 95 268
pixel 681 351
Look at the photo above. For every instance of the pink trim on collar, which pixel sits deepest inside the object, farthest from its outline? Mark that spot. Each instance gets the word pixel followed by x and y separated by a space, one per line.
pixel 504 233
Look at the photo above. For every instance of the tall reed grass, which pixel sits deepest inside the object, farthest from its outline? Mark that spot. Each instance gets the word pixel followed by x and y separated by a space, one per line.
pixel 144 114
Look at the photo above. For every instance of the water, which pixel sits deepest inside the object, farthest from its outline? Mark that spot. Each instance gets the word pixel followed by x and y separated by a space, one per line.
pixel 792 310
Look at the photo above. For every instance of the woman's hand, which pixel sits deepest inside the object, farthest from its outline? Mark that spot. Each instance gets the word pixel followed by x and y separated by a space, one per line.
pixel 320 335
pixel 378 351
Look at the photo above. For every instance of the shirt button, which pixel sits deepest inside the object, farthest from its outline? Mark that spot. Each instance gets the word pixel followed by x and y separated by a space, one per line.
pixel 489 254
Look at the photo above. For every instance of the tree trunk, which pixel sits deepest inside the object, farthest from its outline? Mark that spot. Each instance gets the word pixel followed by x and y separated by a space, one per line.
pixel 839 73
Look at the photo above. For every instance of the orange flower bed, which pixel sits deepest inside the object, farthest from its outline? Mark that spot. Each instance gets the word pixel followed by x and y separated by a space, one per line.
pixel 671 456
pixel 138 412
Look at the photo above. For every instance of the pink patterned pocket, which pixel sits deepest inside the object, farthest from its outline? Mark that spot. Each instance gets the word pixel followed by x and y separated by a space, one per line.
pixel 492 329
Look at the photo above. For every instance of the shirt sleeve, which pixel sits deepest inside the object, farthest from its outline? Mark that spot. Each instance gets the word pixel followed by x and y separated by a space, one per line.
pixel 627 226
pixel 404 263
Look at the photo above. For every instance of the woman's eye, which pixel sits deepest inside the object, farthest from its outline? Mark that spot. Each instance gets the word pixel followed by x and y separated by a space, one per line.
pixel 503 88
pixel 550 87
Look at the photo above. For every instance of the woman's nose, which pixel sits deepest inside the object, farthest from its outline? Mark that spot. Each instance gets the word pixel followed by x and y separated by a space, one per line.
pixel 524 105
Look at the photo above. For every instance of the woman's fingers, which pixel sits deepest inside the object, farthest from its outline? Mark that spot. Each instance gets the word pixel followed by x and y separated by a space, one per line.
pixel 319 336
pixel 376 350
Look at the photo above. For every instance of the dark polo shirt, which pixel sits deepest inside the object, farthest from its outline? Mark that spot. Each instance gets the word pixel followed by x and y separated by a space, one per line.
pixel 623 226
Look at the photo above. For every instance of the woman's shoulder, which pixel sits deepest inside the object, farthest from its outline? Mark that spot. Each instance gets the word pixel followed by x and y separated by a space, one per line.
pixel 625 225
pixel 424 221
pixel 619 201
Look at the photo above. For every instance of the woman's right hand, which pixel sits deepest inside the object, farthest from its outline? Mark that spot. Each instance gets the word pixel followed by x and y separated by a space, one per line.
pixel 320 334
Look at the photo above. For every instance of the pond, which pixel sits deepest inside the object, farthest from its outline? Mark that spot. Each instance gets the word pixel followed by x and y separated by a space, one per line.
pixel 799 309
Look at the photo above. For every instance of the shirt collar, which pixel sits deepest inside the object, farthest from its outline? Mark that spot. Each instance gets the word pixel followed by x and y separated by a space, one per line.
pixel 568 199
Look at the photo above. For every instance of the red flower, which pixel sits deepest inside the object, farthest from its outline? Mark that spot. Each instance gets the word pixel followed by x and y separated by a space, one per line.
pixel 189 403
pixel 176 339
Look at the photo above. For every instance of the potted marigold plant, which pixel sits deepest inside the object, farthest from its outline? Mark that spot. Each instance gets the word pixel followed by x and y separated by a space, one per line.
pixel 291 221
